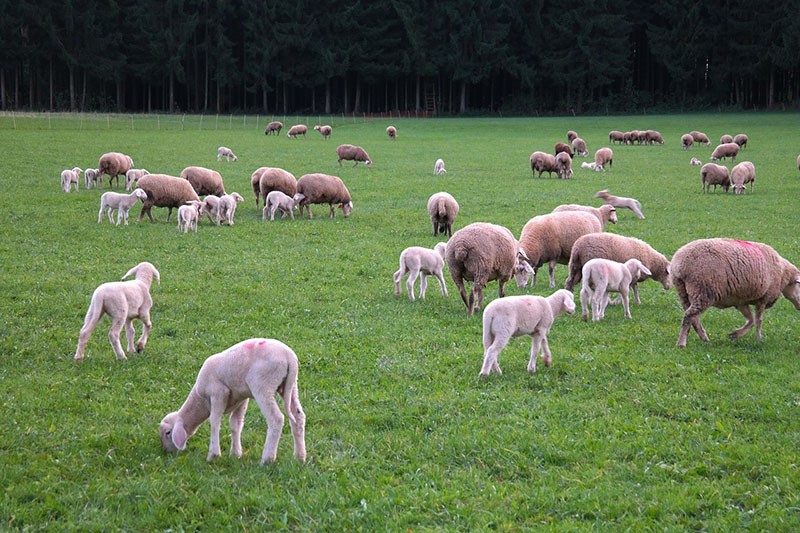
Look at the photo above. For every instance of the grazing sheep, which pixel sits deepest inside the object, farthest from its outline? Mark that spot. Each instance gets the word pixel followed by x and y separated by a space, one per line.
pixel 621 202
pixel 211 207
pixel 273 127
pixel 189 215
pixel 515 316
pixel 132 177
pixel 605 213
pixel 92 176
pixel 323 189
pixel 543 162
pixel 438 168
pixel 268 179
pixel 741 140
pixel 635 136
pixel 722 151
pixel 255 368
pixel 563 165
pixel 348 152
pixel 122 301
pixel 298 129
pixel 741 175
pixel 603 157
pixel 563 147
pixel 204 180
pixel 164 191
pixel 730 273
pixel 70 178
pixel 227 206
pixel 416 261
pixel 695 162
pixel 687 141
pixel 442 208
pixel 114 164
pixel 325 131
pixel 121 202
pixel 617 136
pixel 391 131
pixel 725 139
pixel 588 165
pixel 627 138
pixel 603 276
pixel 579 145
pixel 571 136
pixel 227 153
pixel 278 200
pixel 713 174
pixel 700 137
pixel 653 137
pixel 642 136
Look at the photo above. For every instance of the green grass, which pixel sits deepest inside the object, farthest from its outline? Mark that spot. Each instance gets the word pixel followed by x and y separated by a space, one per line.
pixel 623 431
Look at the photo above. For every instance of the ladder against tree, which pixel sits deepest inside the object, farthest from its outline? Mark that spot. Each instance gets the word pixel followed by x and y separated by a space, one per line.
pixel 430 98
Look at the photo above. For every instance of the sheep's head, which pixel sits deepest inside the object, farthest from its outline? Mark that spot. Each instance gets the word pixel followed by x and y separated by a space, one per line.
pixel 522 273
pixel 441 248
pixel 172 433
pixel 140 194
pixel 346 208
pixel 612 214
pixel 638 271
pixel 792 291
pixel 368 163
pixel 237 197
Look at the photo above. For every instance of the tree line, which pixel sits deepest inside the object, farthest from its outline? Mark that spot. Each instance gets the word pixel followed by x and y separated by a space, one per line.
pixel 378 56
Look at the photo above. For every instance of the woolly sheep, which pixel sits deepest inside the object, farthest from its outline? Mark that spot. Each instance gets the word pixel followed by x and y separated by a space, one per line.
pixel 741 175
pixel 543 162
pixel 255 368
pixel 114 164
pixel 204 180
pixel 273 127
pixel 616 248
pixel 515 316
pixel 603 276
pixel 695 162
pixel 571 136
pixel 617 136
pixel 298 129
pixel 713 174
pixel 278 200
pixel 725 139
pixel 730 273
pixel 227 206
pixel 121 202
pixel 687 141
pixel 579 145
pixel 653 137
pixel 602 157
pixel 227 153
pixel 563 165
pixel 722 151
pixel 391 131
pixel 268 179
pixel 189 215
pixel 642 136
pixel 443 209
pixel 69 178
pixel 700 137
pixel 325 131
pixel 132 177
pixel 621 202
pixel 417 261
pixel 627 138
pixel 741 140
pixel 92 176
pixel 563 147
pixel 605 213
pixel 438 168
pixel 323 189
pixel 348 152
pixel 122 301
pixel 164 191
pixel 634 136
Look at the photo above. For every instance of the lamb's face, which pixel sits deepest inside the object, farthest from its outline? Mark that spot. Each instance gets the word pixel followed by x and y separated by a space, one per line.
pixel 165 433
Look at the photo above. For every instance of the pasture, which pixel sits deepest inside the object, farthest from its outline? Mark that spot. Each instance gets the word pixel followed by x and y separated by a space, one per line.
pixel 623 431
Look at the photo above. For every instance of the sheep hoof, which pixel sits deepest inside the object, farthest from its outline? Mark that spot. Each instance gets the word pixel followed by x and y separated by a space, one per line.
pixel 140 347
pixel 211 457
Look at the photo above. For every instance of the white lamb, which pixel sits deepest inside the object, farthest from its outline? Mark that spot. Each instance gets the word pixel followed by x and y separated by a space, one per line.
pixel 588 165
pixel 122 301
pixel 132 176
pixel 69 178
pixel 695 162
pixel 91 176
pixel 603 276
pixel 278 200
pixel 227 206
pixel 424 262
pixel 211 207
pixel 227 153
pixel 188 216
pixel 121 202
pixel 438 168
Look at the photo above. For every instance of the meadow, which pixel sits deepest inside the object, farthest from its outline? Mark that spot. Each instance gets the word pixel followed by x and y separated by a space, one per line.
pixel 623 431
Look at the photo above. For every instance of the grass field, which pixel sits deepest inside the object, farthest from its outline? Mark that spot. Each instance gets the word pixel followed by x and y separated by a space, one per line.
pixel 623 431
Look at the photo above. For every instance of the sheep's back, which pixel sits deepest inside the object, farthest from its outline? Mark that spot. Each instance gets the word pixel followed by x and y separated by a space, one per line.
pixel 482 247
pixel 323 188
pixel 620 249
pixel 277 179
pixel 550 237
pixel 167 191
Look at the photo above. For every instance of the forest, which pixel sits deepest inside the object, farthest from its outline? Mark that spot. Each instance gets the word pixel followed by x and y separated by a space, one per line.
pixel 449 57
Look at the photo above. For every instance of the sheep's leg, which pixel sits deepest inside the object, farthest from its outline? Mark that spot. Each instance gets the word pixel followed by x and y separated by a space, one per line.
pixel 412 278
pixel 93 316
pixel 237 423
pixel 100 214
pixel 218 403
pixel 490 355
pixel 691 317
pixel 738 333
pixel 536 346
pixel 635 287
pixel 298 426
pixel 129 334
pixel 333 211
pixel 169 214
pixel 586 301
pixel 435 227
pixel 476 296
pixel 423 285
pixel 598 309
pixel 119 216
pixel 397 277
pixel 460 284
pixel 623 291
pixel 547 356
pixel 113 338
pixel 552 266
pixel 638 212
pixel 759 315
pixel 271 411
pixel 440 277
pixel 144 316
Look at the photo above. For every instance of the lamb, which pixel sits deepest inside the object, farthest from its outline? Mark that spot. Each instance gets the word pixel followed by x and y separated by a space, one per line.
pixel 579 145
pixel 164 191
pixel 438 168
pixel 621 202
pixel 687 141
pixel 603 157
pixel 188 216
pixel 122 301
pixel 616 248
pixel 700 137
pixel 348 152
pixel 298 129
pixel 563 165
pixel 571 136
pixel 741 140
pixel 722 151
pixel 741 175
pixel 543 162
pixel 211 207
pixel 713 174
pixel 273 127
pixel 227 153
pixel 416 261
pixel 132 177
pixel 323 189
pixel 515 316
pixel 588 165
pixel 255 368
pixel 325 131
pixel 563 147
pixel 730 273
pixel 725 139
pixel 114 164
pixel 70 178
pixel 92 176
pixel 481 252
pixel 653 137
pixel 442 208
pixel 391 131
pixel 204 180
pixel 605 213
pixel 278 200
pixel 227 206
pixel 617 136
pixel 695 162
pixel 121 202
pixel 603 276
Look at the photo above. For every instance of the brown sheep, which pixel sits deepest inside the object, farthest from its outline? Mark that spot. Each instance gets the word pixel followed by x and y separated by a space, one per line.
pixel 543 162
pixel 713 174
pixel 298 129
pixel 563 147
pixel 274 127
pixel 114 164
pixel 722 151
pixel 276 179
pixel 741 140
pixel 165 191
pixel 325 131
pixel 700 137
pixel 204 180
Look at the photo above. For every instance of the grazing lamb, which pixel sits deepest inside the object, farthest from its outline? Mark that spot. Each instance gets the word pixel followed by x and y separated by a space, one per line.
pixel 268 179
pixel 725 139
pixel 588 165
pixel 348 152
pixel 227 206
pixel 605 213
pixel 571 136
pixel 442 208
pixel 515 316
pixel 730 273
pixel 695 162
pixel 438 168
pixel 603 276
pixel 700 137
pixel 543 162
pixel 121 202
pixel 164 191
pixel 227 153
pixel 273 127
pixel 323 189
pixel 391 131
pixel 617 136
pixel 579 146
pixel 122 301
pixel 92 176
pixel 417 261
pixel 325 131
pixel 563 147
pixel 713 174
pixel 722 151
pixel 278 200
pixel 621 202
pixel 189 215
pixel 563 165
pixel 255 368
pixel 298 129
pixel 741 175
pixel 132 177
pixel 603 157
pixel 70 178
pixel 687 141
pixel 741 140
pixel 114 164
pixel 204 180
pixel 211 207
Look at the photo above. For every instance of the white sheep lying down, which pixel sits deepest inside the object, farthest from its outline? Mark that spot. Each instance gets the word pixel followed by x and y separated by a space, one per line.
pixel 121 202
pixel 255 368
pixel 603 276
pixel 416 261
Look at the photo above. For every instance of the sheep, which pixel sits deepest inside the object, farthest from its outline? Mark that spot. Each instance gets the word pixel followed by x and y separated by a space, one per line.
pixel 114 164
pixel 579 146
pixel 588 165
pixel 713 174
pixel 605 213
pixel 616 248
pixel 549 238
pixel 634 136
pixel 730 273
pixel 725 139
pixel 211 207
pixel 741 175
pixel 603 157
pixel 543 162
pixel 204 180
pixel 92 176
pixel 700 137
pixel 188 216
pixel 227 206
pixel 798 162
pixel 69 178
pixel 741 140
pixel 164 191
pixel 132 177
pixel 255 368
pixel 571 136
pixel 391 131
pixel 268 179
pixel 563 147
pixel 642 137
pixel 653 137
pixel 515 316
pixel 122 301
pixel 121 202
pixel 722 151
pixel 438 168
pixel 323 189
pixel 348 152
pixel 481 252
pixel 273 127
pixel 695 162
pixel 563 165
pixel 617 136
pixel 687 141
pixel 297 129
pixel 442 208
pixel 227 153
pixel 417 261
pixel 325 131
pixel 621 202
pixel 278 200
pixel 603 276
pixel 627 138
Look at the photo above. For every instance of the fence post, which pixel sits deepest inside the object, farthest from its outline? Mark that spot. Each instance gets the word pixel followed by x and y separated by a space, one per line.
pixel 230 122
pixel 14 119
pixel 201 122
pixel 183 121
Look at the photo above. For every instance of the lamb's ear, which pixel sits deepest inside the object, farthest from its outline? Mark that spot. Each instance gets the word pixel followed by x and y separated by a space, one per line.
pixel 646 271
pixel 179 436
pixel 131 272
pixel 158 276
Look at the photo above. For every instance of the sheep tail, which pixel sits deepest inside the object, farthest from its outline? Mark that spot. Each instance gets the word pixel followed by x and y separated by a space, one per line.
pixel 441 208
pixel 290 384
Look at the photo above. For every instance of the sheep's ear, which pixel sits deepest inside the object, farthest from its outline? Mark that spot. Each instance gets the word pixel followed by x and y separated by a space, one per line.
pixel 158 276
pixel 179 436
pixel 131 272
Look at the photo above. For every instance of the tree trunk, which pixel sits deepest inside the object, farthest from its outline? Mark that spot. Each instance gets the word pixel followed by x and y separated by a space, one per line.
pixel 463 106
pixel 328 96
pixel 72 103
pixel 171 92
pixel 83 92
pixel 30 87
pixel 285 99
pixel 3 89
pixel 346 95
pixel 357 104
pixel 120 93
pixel 51 85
